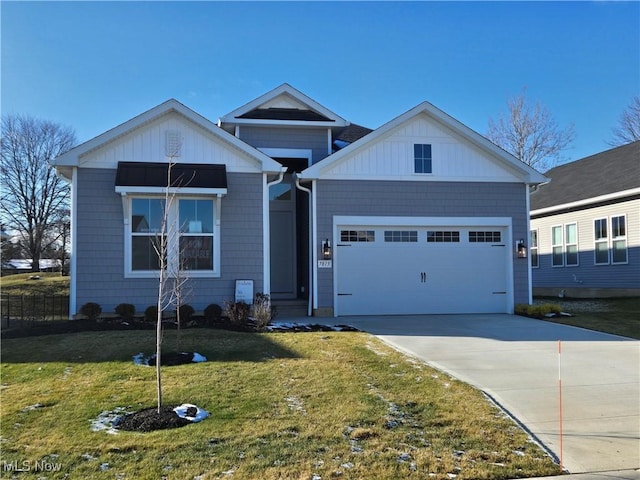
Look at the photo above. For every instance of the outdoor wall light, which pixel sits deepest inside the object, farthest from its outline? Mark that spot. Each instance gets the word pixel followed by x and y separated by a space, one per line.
pixel 326 250
pixel 521 249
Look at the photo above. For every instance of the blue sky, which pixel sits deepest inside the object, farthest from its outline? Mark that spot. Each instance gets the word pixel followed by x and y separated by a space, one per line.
pixel 94 65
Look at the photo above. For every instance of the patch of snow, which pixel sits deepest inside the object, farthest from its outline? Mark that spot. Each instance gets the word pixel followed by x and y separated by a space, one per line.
pixel 295 404
pixel 316 477
pixel 106 420
pixel 197 358
pixel 404 457
pixel 347 465
pixel 30 408
pixel 140 359
pixel 104 467
pixel 200 415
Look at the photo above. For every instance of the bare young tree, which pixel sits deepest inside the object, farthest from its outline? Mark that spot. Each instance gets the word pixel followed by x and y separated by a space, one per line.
pixel 32 195
pixel 172 281
pixel 628 129
pixel 530 133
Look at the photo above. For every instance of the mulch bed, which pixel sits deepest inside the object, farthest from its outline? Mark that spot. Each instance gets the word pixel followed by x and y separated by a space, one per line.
pixel 173 358
pixel 149 419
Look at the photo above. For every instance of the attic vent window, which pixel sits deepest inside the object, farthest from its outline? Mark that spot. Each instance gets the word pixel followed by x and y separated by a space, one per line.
pixel 173 143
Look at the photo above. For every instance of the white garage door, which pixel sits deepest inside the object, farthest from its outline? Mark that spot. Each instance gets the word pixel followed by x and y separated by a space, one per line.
pixel 421 270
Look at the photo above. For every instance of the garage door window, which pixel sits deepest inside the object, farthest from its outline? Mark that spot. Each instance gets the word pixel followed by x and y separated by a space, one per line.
pixel 403 236
pixel 443 237
pixel 481 237
pixel 357 236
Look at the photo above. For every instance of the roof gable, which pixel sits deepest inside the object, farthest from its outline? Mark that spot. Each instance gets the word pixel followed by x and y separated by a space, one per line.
pixel 141 139
pixel 612 173
pixel 283 105
pixel 459 153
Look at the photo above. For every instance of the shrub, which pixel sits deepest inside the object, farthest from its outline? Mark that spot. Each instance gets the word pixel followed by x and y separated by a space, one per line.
pixel 185 311
pixel 262 311
pixel 91 310
pixel 537 311
pixel 238 312
pixel 126 310
pixel 151 313
pixel 212 313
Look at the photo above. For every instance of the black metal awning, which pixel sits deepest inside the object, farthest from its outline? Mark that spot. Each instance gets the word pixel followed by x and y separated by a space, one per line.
pixel 183 175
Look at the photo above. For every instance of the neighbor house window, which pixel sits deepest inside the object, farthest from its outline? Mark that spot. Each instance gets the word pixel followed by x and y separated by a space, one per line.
pixel 189 235
pixel 618 239
pixel 422 158
pixel 533 248
pixel 601 241
pixel 557 257
pixel 571 244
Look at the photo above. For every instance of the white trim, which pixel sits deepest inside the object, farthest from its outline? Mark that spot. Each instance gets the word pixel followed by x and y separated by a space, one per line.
pixel 314 250
pixel 379 221
pixel 73 267
pixel 184 191
pixel 527 193
pixel 587 201
pixel 524 171
pixel 284 89
pixel 266 230
pixel 329 142
pixel 72 157
pixel 173 213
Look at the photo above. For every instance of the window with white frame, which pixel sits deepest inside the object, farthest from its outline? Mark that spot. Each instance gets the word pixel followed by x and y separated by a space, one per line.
pixel 618 239
pixel 571 244
pixel 601 241
pixel 533 248
pixel 190 235
pixel 557 242
pixel 422 158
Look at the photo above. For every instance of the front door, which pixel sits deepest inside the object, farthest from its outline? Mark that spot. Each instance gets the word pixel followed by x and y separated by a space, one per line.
pixel 282 219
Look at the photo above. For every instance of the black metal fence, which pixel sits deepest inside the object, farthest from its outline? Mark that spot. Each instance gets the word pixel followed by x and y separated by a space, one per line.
pixel 18 309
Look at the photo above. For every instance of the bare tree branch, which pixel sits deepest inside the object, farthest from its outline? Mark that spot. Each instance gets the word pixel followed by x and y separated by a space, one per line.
pixel 628 129
pixel 32 195
pixel 530 133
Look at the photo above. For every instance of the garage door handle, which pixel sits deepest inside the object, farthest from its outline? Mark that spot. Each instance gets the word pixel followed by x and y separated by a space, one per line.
pixel 345 294
pixel 423 277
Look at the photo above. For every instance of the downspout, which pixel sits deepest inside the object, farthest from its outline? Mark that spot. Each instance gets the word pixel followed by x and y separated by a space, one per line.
pixel 266 236
pixel 311 245
pixel 528 241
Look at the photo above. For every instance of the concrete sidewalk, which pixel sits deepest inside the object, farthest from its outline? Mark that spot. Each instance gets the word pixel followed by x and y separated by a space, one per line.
pixel 516 361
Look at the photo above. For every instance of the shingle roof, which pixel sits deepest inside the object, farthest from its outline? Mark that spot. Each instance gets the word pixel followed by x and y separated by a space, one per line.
pixel 285 114
pixel 604 173
pixel 352 133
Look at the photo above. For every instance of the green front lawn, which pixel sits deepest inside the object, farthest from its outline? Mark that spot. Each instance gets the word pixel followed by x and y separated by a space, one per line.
pixel 283 405
pixel 619 316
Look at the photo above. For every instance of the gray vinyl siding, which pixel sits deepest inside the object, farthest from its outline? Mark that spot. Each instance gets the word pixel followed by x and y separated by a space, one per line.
pixel 282 137
pixel 421 199
pixel 588 275
pixel 100 245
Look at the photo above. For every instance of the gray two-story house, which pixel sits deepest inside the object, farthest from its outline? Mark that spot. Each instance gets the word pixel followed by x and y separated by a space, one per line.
pixel 422 215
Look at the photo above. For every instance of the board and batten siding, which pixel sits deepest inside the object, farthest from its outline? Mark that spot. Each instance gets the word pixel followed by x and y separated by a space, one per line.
pixel 422 199
pixel 100 245
pixel 587 275
pixel 314 139
pixel 453 158
pixel 147 144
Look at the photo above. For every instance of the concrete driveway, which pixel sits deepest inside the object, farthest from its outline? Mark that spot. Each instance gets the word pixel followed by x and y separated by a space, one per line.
pixel 515 360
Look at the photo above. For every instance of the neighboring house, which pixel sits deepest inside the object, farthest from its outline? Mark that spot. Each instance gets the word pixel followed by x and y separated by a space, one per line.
pixel 421 215
pixel 20 265
pixel 585 227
